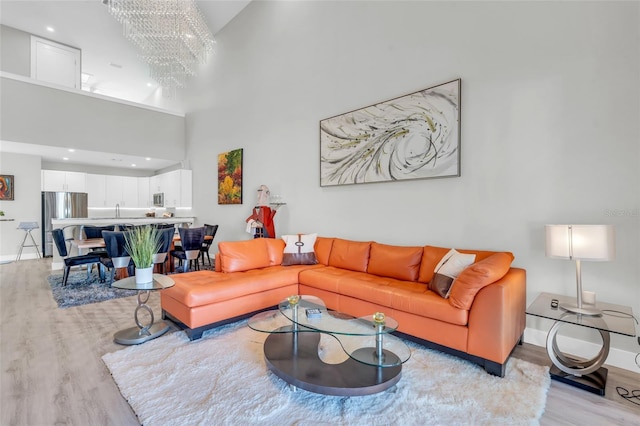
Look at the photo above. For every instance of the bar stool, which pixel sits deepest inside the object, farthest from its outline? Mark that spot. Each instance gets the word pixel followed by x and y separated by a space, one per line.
pixel 27 227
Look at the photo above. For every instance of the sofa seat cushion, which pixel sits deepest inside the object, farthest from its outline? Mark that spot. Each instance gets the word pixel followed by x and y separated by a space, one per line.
pixel 428 304
pixel 325 277
pixel 406 296
pixel 205 287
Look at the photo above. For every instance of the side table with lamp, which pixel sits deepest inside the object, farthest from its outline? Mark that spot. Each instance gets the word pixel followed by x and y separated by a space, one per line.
pixel 591 243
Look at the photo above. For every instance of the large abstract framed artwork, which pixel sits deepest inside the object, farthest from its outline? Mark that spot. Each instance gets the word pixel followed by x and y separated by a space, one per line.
pixel 230 177
pixel 6 187
pixel 416 136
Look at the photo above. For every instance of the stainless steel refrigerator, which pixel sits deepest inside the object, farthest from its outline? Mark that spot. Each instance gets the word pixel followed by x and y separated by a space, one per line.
pixel 60 205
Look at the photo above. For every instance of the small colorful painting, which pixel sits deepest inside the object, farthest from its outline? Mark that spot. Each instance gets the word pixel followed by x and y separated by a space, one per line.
pixel 416 136
pixel 230 177
pixel 6 187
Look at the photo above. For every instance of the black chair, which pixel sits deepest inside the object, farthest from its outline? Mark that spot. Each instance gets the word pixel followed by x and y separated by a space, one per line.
pixel 166 237
pixel 117 254
pixel 209 231
pixel 84 259
pixel 163 225
pixel 96 232
pixel 191 240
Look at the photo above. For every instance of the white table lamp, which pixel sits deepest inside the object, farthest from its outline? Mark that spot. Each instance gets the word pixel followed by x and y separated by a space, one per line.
pixel 580 242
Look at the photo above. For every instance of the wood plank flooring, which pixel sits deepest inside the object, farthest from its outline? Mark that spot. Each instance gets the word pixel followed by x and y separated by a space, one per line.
pixel 52 372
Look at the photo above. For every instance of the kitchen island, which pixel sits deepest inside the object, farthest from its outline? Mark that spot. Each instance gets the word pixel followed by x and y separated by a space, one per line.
pixel 79 222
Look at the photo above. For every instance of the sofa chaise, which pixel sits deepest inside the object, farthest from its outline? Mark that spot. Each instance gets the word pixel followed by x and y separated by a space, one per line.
pixel 479 317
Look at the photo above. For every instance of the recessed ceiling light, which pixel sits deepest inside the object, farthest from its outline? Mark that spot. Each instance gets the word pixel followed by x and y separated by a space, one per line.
pixel 51 29
pixel 133 165
pixel 148 158
pixel 71 150
pixel 65 158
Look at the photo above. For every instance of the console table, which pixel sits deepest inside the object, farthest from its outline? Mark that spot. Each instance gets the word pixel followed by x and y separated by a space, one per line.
pixel 587 374
pixel 141 333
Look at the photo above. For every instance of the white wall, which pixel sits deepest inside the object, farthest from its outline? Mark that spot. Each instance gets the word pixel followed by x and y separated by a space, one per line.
pixel 42 115
pixel 550 133
pixel 25 206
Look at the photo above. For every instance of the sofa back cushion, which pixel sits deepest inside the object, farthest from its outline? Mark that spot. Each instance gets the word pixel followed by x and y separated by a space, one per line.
pixel 237 256
pixel 402 263
pixel 475 277
pixel 275 250
pixel 432 256
pixel 351 255
pixel 323 249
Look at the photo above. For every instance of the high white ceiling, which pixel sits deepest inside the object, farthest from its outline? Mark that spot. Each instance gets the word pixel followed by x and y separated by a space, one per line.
pixel 110 59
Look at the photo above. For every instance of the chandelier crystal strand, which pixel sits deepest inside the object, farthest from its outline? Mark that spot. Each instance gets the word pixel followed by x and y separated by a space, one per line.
pixel 171 36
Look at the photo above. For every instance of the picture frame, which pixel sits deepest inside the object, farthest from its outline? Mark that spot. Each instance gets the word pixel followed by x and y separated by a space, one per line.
pixel 415 136
pixel 230 177
pixel 7 184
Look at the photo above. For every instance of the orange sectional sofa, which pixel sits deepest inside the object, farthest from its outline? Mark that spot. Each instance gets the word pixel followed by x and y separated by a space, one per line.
pixel 482 319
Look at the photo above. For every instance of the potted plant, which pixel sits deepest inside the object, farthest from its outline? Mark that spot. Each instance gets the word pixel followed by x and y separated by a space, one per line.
pixel 142 243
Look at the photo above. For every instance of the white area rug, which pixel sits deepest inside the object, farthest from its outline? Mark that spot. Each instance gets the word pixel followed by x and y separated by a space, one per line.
pixel 222 379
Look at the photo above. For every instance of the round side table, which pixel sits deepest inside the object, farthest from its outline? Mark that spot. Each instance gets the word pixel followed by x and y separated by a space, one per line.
pixel 141 333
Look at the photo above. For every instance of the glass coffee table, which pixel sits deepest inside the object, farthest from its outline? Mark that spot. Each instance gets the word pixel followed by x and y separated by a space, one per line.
pixel 374 357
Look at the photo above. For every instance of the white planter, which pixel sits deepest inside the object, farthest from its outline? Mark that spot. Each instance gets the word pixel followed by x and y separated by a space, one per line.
pixel 144 275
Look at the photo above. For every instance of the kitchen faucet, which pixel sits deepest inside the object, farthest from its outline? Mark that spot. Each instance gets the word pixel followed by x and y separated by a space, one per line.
pixel 117 211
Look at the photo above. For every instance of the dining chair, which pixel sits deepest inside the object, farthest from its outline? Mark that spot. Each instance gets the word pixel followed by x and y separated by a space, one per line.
pixel 163 225
pixel 191 240
pixel 166 238
pixel 209 231
pixel 69 261
pixel 91 231
pixel 117 254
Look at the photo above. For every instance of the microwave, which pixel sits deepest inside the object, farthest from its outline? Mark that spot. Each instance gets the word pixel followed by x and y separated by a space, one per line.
pixel 158 199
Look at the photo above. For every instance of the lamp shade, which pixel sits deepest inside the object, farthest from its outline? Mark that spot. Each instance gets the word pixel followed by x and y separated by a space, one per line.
pixel 580 242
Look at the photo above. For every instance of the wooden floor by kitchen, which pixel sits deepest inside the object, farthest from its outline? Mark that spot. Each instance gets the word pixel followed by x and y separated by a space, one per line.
pixel 53 374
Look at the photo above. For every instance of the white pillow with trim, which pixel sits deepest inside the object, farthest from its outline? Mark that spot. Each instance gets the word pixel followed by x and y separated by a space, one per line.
pixel 448 269
pixel 299 249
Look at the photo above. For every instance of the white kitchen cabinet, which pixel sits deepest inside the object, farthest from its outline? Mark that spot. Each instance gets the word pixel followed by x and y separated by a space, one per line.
pixel 122 190
pixel 171 188
pixel 186 197
pixel 97 190
pixel 177 188
pixel 144 195
pixel 60 181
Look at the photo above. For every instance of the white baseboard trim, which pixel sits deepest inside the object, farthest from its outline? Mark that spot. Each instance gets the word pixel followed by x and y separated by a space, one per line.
pixel 617 357
pixel 8 258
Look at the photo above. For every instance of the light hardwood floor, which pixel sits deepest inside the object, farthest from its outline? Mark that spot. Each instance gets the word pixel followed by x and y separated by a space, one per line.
pixel 53 374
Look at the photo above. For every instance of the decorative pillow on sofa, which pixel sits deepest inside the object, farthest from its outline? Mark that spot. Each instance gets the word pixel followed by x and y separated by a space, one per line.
pixel 448 269
pixel 479 275
pixel 299 249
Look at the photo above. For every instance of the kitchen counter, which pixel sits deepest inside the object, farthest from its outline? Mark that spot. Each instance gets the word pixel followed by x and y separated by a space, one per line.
pixel 138 220
pixel 57 262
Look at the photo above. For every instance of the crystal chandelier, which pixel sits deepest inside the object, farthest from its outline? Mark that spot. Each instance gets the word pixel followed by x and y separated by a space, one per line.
pixel 172 37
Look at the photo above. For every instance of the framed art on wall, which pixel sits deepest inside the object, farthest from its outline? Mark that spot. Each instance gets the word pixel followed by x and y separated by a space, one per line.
pixel 230 177
pixel 6 187
pixel 416 136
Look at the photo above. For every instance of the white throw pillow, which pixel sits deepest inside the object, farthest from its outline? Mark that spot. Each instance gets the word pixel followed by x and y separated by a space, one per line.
pixel 448 269
pixel 299 249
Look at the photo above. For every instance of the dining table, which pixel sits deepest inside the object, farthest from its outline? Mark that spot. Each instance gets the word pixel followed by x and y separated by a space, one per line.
pixel 92 243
